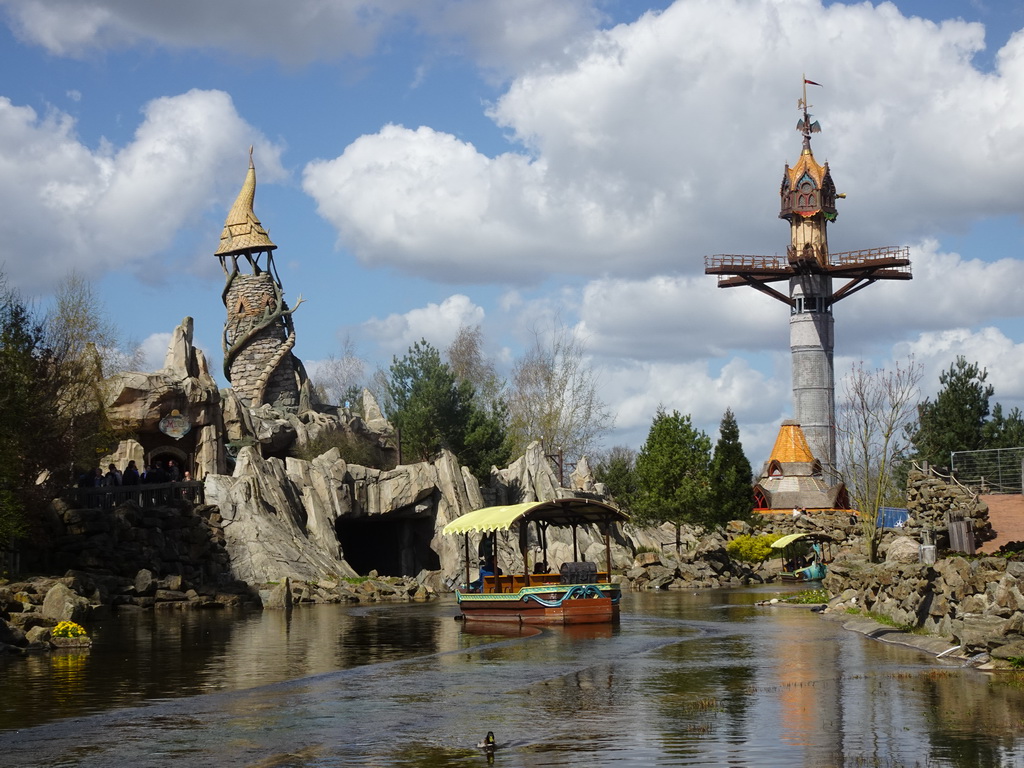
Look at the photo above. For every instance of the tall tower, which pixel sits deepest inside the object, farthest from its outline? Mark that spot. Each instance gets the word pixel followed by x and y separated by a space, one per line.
pixel 258 333
pixel 809 204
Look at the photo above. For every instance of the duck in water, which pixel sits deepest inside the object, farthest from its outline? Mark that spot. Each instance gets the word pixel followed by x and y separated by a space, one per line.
pixel 488 745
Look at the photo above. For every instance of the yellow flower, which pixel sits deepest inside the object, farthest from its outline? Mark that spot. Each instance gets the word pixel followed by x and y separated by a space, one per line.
pixel 68 629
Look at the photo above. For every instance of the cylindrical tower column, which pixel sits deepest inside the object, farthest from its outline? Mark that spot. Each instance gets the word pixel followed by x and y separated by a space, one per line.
pixel 262 371
pixel 811 342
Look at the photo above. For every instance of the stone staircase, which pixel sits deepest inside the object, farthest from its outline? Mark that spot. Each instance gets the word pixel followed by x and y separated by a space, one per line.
pixel 1006 514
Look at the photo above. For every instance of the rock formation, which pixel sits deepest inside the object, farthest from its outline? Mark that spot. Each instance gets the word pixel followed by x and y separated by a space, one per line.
pixel 184 389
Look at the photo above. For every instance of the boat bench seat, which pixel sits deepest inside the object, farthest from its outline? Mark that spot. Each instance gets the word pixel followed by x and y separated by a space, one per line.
pixel 578 573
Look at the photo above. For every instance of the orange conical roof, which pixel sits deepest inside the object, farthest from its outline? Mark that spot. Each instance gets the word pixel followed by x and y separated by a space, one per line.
pixel 242 230
pixel 791 445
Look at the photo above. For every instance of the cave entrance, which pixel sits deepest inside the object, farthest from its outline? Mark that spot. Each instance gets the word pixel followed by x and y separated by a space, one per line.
pixel 392 545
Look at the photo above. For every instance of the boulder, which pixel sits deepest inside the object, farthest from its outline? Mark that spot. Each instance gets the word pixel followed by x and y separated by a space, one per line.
pixel 646 559
pixel 145 584
pixel 903 549
pixel 11 635
pixel 279 596
pixel 62 604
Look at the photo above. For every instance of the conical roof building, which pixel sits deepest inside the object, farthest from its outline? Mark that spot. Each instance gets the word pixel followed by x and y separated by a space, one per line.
pixel 792 477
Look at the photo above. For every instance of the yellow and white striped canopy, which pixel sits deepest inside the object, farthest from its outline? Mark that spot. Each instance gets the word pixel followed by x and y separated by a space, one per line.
pixel 556 512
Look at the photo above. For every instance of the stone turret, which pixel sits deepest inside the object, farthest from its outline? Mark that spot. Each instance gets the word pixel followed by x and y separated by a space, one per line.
pixel 258 333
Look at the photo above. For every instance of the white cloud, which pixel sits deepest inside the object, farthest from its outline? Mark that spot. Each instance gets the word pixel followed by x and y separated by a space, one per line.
pixel 154 350
pixel 666 141
pixel 635 390
pixel 947 291
pixel 301 31
pixel 989 347
pixel 679 318
pixel 437 323
pixel 509 35
pixel 500 34
pixel 68 206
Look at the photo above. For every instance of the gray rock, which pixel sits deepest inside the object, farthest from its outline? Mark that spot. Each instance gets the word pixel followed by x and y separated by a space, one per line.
pixel 903 549
pixel 38 635
pixel 279 596
pixel 1010 650
pixel 145 584
pixel 11 635
pixel 61 604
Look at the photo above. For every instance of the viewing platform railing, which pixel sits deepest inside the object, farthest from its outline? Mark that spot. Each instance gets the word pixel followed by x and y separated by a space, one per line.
pixel 146 495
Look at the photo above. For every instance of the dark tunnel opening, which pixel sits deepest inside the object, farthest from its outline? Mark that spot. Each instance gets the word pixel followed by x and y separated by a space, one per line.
pixel 390 545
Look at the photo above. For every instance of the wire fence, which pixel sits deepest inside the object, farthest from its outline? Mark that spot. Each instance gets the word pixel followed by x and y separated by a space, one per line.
pixel 997 470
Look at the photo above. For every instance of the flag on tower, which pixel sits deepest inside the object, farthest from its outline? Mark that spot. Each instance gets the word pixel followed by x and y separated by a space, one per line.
pixel 811 82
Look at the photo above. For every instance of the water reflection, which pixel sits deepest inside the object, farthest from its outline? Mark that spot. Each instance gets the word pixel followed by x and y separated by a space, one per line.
pixel 685 679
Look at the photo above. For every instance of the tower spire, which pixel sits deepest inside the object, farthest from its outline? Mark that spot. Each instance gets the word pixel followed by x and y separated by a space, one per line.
pixel 805 125
pixel 242 230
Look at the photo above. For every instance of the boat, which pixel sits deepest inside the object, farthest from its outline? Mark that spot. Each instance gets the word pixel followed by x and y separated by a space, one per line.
pixel 805 556
pixel 576 593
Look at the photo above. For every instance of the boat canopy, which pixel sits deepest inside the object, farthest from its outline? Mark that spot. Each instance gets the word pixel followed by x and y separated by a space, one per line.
pixel 785 541
pixel 558 512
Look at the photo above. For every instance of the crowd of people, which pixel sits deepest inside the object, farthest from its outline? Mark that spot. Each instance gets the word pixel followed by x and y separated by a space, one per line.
pixel 149 475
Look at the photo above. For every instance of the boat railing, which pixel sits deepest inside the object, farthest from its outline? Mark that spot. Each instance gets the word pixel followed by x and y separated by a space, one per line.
pixel 514 583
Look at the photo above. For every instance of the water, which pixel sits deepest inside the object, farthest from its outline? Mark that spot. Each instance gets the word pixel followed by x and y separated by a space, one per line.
pixel 685 679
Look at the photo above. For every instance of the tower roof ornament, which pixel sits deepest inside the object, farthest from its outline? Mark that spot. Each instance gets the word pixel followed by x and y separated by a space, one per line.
pixel 805 125
pixel 243 232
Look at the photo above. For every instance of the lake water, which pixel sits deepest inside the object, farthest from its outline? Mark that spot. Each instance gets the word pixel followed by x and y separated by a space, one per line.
pixel 685 679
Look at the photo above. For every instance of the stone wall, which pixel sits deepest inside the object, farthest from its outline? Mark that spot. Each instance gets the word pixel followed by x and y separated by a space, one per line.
pixel 977 602
pixel 845 528
pixel 182 539
pixel 931 496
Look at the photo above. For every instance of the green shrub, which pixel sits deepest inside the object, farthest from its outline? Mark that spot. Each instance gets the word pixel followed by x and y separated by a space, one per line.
pixel 752 549
pixel 809 597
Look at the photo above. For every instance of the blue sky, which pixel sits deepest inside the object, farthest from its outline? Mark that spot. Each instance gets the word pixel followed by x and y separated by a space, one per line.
pixel 427 164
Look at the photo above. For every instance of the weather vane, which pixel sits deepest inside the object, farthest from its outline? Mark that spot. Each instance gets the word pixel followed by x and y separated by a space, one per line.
pixel 805 126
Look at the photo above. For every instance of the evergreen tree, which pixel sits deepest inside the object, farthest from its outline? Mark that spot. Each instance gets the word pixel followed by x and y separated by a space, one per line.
pixel 617 470
pixel 433 411
pixel 955 421
pixel 673 473
pixel 51 415
pixel 731 481
pixel 21 345
pixel 1004 431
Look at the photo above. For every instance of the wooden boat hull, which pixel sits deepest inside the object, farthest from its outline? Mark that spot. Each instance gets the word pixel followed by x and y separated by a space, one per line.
pixel 548 604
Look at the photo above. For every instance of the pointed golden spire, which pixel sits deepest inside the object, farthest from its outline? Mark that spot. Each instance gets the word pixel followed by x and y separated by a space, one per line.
pixel 243 232
pixel 791 445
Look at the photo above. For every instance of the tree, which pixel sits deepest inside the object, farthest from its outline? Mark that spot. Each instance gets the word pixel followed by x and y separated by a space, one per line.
pixel 433 411
pixel 955 421
pixel 617 470
pixel 339 379
pixel 731 475
pixel 51 410
pixel 875 409
pixel 1004 431
pixel 673 473
pixel 554 397
pixel 21 366
pixel 80 332
pixel 466 357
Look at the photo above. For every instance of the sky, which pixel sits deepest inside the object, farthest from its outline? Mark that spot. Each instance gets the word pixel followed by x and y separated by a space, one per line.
pixel 424 165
